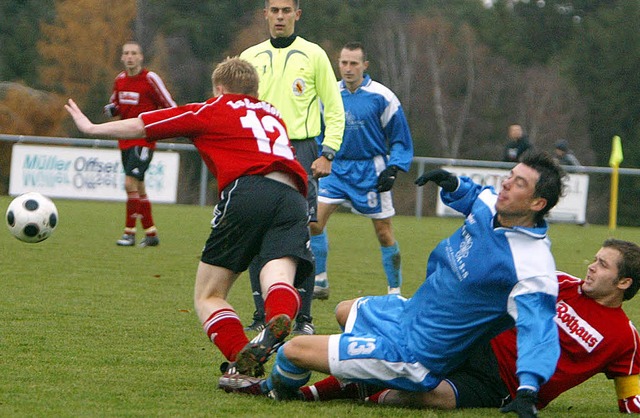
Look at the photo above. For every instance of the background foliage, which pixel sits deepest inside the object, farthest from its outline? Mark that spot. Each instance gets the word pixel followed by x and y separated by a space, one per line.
pixel 463 71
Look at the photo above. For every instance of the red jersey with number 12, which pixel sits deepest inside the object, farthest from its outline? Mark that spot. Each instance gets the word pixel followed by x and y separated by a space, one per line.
pixel 236 135
pixel 593 338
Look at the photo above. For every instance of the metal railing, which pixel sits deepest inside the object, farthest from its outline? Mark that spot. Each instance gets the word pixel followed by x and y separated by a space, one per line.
pixel 421 162
pixel 112 143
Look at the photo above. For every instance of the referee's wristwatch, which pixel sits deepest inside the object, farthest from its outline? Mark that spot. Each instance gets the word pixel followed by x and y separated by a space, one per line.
pixel 328 153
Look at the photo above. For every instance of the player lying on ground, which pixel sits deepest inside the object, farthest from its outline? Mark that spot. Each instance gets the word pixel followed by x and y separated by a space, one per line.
pixel 596 336
pixel 467 297
pixel 262 210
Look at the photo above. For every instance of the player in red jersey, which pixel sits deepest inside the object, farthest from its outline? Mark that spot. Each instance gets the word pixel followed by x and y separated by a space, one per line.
pixel 137 90
pixel 262 209
pixel 596 336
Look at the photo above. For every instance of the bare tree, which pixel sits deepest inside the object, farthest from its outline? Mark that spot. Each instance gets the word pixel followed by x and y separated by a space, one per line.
pixel 449 57
pixel 463 115
pixel 446 111
pixel 554 110
pixel 395 56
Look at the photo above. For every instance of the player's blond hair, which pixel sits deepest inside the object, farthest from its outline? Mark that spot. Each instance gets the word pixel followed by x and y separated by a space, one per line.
pixel 236 76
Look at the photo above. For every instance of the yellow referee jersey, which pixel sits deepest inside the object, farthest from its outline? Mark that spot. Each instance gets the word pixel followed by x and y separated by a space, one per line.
pixel 298 80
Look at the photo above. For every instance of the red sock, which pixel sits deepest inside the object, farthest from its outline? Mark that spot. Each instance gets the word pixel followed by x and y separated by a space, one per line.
pixel 378 397
pixel 225 330
pixel 145 213
pixel 329 389
pixel 133 204
pixel 282 298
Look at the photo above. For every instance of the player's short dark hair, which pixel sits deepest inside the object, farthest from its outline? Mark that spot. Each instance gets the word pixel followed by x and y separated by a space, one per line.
pixel 550 185
pixel 134 43
pixel 354 46
pixel 267 2
pixel 629 265
pixel 237 76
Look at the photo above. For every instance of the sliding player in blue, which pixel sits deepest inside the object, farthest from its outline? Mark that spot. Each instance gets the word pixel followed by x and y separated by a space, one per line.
pixel 495 271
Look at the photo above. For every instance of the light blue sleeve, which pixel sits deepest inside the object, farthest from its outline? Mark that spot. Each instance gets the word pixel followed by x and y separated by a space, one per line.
pixel 537 340
pixel 463 198
pixel 400 142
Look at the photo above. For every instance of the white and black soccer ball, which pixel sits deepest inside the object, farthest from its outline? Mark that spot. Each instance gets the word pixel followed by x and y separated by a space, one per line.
pixel 32 217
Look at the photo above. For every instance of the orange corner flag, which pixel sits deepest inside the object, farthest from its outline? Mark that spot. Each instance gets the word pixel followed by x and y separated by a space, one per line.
pixel 616 152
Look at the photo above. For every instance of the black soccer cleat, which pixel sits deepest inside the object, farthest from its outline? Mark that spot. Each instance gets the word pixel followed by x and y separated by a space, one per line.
pixel 251 359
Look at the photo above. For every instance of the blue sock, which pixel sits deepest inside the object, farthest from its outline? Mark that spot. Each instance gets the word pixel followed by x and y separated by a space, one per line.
pixel 286 374
pixel 391 264
pixel 320 248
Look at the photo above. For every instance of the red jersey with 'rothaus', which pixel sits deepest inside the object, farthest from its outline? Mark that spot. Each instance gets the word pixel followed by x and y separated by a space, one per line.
pixel 593 339
pixel 133 95
pixel 236 135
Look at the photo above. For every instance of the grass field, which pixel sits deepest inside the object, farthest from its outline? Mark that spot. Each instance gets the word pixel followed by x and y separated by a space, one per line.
pixel 91 329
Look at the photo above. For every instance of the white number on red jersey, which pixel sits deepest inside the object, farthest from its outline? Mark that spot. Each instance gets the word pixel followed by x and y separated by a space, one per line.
pixel 260 127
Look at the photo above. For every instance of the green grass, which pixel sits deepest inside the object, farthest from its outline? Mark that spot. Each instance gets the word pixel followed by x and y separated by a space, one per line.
pixel 91 329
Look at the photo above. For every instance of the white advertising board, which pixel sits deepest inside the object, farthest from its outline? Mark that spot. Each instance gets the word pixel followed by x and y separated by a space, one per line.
pixel 87 173
pixel 571 208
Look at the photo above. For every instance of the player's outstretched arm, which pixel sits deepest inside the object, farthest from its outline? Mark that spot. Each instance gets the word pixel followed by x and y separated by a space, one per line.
pixel 448 181
pixel 122 129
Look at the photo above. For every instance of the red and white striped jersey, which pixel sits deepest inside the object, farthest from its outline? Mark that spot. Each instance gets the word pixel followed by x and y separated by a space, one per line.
pixel 133 95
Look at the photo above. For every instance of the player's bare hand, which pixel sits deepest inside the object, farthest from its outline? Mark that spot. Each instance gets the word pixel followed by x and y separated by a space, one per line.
pixel 321 167
pixel 82 122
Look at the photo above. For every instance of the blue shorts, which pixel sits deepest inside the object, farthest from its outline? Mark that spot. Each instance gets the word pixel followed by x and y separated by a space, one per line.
pixel 372 348
pixel 353 183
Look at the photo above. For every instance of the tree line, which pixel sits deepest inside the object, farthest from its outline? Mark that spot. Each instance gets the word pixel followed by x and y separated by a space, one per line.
pixel 463 71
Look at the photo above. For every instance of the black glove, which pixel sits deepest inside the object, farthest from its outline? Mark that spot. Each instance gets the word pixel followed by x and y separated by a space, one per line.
pixel 387 178
pixel 524 404
pixel 441 177
pixel 109 110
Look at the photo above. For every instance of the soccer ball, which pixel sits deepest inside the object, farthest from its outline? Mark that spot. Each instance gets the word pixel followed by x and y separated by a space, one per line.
pixel 32 217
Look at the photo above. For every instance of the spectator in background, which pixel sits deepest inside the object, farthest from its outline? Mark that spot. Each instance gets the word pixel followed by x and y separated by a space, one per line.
pixel 518 143
pixel 564 155
pixel 137 90
pixel 376 145
pixel 297 77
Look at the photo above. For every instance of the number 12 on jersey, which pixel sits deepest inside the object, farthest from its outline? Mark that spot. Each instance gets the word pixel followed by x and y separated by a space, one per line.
pixel 260 127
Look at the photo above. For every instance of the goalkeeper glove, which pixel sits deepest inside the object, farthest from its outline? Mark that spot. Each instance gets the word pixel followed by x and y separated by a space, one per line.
pixel 110 110
pixel 524 404
pixel 441 177
pixel 387 178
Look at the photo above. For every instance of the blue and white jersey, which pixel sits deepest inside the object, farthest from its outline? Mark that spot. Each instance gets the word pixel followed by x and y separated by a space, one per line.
pixel 375 125
pixel 479 281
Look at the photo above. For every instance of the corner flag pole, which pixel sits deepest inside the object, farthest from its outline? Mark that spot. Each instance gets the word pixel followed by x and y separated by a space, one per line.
pixel 614 163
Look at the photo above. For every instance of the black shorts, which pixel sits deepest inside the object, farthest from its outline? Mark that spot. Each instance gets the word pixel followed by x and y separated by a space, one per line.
pixel 306 154
pixel 477 381
pixel 263 218
pixel 136 161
